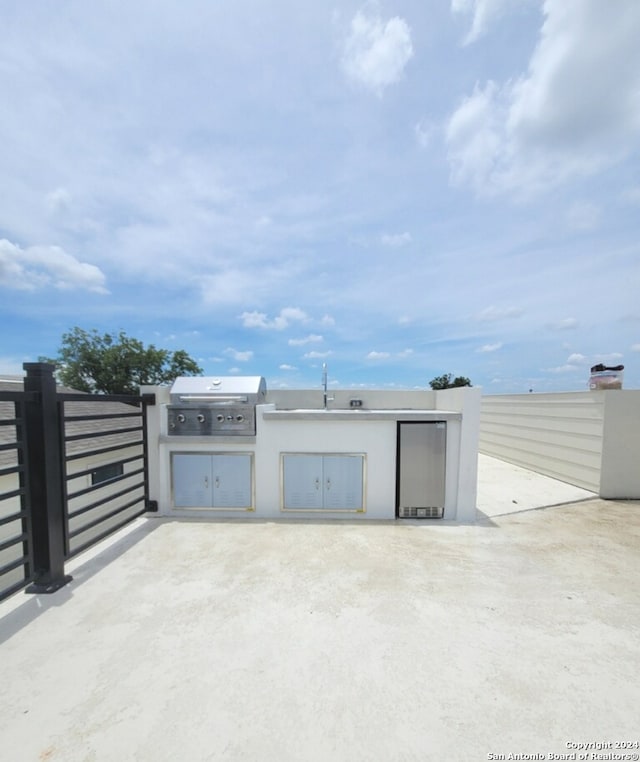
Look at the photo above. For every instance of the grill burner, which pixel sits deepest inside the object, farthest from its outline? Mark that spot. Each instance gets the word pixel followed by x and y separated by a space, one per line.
pixel 206 406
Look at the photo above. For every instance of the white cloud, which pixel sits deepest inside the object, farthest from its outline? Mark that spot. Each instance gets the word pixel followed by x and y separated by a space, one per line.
pixel 576 362
pixel 287 367
pixel 43 266
pixel 484 12
pixel 313 338
pixel 560 120
pixel 327 320
pixel 492 313
pixel 254 320
pixel 316 355
pixel 287 316
pixel 396 239
pixel 424 131
pixel 290 315
pixel 474 138
pixel 635 347
pixel 490 347
pixel 562 369
pixel 403 354
pixel 58 201
pixel 608 357
pixel 376 52
pixel 239 356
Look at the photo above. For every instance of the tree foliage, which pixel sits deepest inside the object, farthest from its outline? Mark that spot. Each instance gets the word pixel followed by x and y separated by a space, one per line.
pixel 445 382
pixel 119 364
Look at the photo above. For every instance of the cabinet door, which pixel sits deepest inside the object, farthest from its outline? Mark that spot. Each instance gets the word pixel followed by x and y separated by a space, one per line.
pixel 302 478
pixel 191 476
pixel 342 482
pixel 232 481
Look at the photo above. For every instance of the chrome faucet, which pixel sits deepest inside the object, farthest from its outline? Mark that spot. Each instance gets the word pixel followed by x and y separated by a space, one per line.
pixel 324 383
pixel 324 386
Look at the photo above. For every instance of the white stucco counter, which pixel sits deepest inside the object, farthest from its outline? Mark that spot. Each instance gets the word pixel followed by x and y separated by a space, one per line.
pixel 339 463
pixel 371 434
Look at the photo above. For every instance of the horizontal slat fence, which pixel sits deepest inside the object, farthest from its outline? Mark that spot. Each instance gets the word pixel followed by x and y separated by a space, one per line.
pixel 16 541
pixel 559 435
pixel 95 426
pixel 73 470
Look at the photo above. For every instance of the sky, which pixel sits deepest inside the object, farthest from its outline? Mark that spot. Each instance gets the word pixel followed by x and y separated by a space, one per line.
pixel 398 189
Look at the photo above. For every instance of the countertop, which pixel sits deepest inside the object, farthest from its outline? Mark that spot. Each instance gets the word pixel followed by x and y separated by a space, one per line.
pixel 361 414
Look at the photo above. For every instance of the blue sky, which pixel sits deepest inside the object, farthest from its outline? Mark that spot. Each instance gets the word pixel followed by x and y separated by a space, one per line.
pixel 398 189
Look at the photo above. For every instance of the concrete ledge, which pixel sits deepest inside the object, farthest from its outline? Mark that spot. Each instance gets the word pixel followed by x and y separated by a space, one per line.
pixel 360 414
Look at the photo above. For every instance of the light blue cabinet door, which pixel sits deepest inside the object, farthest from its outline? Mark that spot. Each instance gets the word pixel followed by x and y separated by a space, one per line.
pixel 343 482
pixel 232 481
pixel 192 480
pixel 302 477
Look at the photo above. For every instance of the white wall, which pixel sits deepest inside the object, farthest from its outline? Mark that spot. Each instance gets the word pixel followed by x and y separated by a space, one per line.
pixel 372 399
pixel 590 439
pixel 374 438
pixel 620 474
pixel 465 400
pixel 559 435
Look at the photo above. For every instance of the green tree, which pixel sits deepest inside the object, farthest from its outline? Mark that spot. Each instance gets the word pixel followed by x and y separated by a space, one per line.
pixel 445 382
pixel 119 364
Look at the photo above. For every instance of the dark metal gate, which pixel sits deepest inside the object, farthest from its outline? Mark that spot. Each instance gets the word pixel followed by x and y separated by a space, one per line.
pixel 105 463
pixel 75 471
pixel 16 539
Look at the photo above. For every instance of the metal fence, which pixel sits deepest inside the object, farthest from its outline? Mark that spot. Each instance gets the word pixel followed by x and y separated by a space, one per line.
pixel 16 539
pixel 105 459
pixel 73 470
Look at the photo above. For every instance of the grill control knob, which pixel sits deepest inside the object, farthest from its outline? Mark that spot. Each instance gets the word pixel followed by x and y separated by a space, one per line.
pixel 219 418
pixel 172 425
pixel 229 417
pixel 240 418
pixel 180 418
pixel 200 418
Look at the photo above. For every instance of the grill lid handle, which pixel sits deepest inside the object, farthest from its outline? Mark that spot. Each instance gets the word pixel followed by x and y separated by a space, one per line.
pixel 212 398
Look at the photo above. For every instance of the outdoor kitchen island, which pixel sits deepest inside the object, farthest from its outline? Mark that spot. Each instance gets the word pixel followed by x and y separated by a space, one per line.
pixel 362 457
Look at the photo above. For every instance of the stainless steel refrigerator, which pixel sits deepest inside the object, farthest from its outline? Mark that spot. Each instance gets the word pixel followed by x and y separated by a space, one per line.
pixel 421 469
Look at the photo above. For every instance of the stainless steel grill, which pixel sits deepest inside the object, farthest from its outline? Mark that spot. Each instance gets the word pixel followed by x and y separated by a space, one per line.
pixel 209 406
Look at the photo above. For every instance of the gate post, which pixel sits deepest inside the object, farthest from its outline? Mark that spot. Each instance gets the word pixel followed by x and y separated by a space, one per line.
pixel 46 473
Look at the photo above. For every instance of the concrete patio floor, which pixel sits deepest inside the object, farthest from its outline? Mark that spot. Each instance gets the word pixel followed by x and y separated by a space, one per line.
pixel 190 640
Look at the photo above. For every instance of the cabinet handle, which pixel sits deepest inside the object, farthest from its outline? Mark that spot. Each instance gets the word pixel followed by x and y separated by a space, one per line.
pixel 217 482
pixel 206 481
pixel 328 483
pixel 317 483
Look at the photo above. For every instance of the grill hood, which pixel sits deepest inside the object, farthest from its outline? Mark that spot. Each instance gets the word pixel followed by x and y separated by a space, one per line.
pixel 203 390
